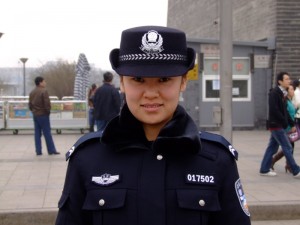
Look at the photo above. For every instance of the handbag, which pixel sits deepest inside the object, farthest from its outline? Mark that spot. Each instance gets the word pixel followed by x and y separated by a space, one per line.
pixel 294 136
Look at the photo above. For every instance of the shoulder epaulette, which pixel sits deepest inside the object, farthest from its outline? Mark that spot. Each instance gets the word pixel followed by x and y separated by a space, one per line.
pixel 81 140
pixel 221 140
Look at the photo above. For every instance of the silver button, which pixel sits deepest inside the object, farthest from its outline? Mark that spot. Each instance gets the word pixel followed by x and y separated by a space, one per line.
pixel 202 202
pixel 101 202
pixel 159 157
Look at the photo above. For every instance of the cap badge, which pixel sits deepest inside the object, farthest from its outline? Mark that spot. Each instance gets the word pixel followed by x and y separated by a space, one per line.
pixel 152 42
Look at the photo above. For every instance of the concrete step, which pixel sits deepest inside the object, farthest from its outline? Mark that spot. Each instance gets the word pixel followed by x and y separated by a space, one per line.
pixel 28 218
pixel 275 211
pixel 276 222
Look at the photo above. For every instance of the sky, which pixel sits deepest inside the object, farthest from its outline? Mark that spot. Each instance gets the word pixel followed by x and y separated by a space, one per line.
pixel 49 30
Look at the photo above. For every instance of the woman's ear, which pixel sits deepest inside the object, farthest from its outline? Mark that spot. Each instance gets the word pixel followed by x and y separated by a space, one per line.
pixel 121 84
pixel 183 83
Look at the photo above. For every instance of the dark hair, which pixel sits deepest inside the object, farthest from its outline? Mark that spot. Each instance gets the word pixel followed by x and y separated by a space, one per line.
pixel 291 86
pixel 38 80
pixel 94 86
pixel 280 76
pixel 107 77
pixel 296 83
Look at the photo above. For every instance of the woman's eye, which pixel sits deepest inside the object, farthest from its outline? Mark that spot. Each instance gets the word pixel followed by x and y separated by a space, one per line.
pixel 164 79
pixel 138 79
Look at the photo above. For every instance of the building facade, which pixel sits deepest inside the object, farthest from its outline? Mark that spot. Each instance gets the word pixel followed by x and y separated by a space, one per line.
pixel 265 41
pixel 253 20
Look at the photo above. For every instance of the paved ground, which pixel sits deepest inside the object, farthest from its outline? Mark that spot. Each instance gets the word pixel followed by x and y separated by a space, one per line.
pixel 31 185
pixel 273 222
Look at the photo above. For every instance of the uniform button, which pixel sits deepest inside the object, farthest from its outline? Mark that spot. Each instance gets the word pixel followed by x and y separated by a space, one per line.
pixel 159 157
pixel 101 202
pixel 202 202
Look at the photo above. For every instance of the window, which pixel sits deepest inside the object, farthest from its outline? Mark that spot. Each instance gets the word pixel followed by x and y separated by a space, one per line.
pixel 241 80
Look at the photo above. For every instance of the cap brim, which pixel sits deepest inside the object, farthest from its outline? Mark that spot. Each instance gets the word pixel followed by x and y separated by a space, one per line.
pixel 161 69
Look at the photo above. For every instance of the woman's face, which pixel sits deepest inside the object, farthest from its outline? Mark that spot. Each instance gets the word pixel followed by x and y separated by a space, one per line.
pixel 290 91
pixel 153 100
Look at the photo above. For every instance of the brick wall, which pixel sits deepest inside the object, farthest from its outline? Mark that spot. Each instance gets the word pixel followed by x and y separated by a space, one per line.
pixel 288 37
pixel 195 17
pixel 253 20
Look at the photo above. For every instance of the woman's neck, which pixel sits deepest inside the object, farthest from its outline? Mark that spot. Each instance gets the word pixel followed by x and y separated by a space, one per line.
pixel 151 132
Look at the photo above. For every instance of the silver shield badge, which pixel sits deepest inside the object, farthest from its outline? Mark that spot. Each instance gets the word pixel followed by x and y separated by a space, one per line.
pixel 241 196
pixel 152 42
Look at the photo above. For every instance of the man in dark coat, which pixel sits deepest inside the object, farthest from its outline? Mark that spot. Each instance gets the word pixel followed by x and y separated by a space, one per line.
pixel 107 102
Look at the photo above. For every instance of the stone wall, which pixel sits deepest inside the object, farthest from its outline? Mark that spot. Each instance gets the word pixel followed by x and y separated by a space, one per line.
pixel 288 37
pixel 253 20
pixel 195 17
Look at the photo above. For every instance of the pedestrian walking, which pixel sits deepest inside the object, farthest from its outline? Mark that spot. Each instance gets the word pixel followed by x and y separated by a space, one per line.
pixel 279 120
pixel 292 111
pixel 91 94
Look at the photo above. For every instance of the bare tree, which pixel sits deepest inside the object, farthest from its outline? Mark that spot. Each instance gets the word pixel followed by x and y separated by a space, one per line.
pixel 59 76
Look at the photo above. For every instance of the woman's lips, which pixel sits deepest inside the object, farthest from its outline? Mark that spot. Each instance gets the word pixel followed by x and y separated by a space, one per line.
pixel 151 107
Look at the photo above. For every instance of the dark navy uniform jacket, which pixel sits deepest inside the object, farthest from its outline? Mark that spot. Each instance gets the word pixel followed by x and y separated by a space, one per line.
pixel 182 178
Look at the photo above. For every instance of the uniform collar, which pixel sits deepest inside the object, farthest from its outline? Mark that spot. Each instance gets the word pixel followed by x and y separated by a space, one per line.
pixel 179 135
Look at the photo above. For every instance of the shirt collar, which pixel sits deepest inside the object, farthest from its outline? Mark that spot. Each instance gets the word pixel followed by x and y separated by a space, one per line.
pixel 284 91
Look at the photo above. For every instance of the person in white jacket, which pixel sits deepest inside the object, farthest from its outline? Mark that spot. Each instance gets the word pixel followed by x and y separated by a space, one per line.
pixel 296 99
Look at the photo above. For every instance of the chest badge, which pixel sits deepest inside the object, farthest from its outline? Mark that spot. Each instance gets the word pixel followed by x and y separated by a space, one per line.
pixel 200 179
pixel 106 179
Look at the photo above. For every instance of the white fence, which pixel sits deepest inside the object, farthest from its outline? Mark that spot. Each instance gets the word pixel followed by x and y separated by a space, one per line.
pixel 65 114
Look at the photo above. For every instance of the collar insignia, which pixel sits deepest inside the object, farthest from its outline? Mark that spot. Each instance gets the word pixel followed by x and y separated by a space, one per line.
pixel 70 152
pixel 106 179
pixel 152 42
pixel 232 150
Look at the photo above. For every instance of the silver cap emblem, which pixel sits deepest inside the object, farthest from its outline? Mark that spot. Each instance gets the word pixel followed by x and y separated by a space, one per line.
pixel 152 42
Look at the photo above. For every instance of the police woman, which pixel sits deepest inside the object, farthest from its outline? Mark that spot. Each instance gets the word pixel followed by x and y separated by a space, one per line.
pixel 151 166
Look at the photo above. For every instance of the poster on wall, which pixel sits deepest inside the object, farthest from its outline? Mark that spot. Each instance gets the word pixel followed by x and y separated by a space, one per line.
pixel 59 110
pixel 79 110
pixel 19 110
pixel 1 110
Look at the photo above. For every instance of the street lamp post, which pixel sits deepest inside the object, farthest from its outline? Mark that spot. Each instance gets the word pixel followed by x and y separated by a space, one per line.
pixel 24 60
